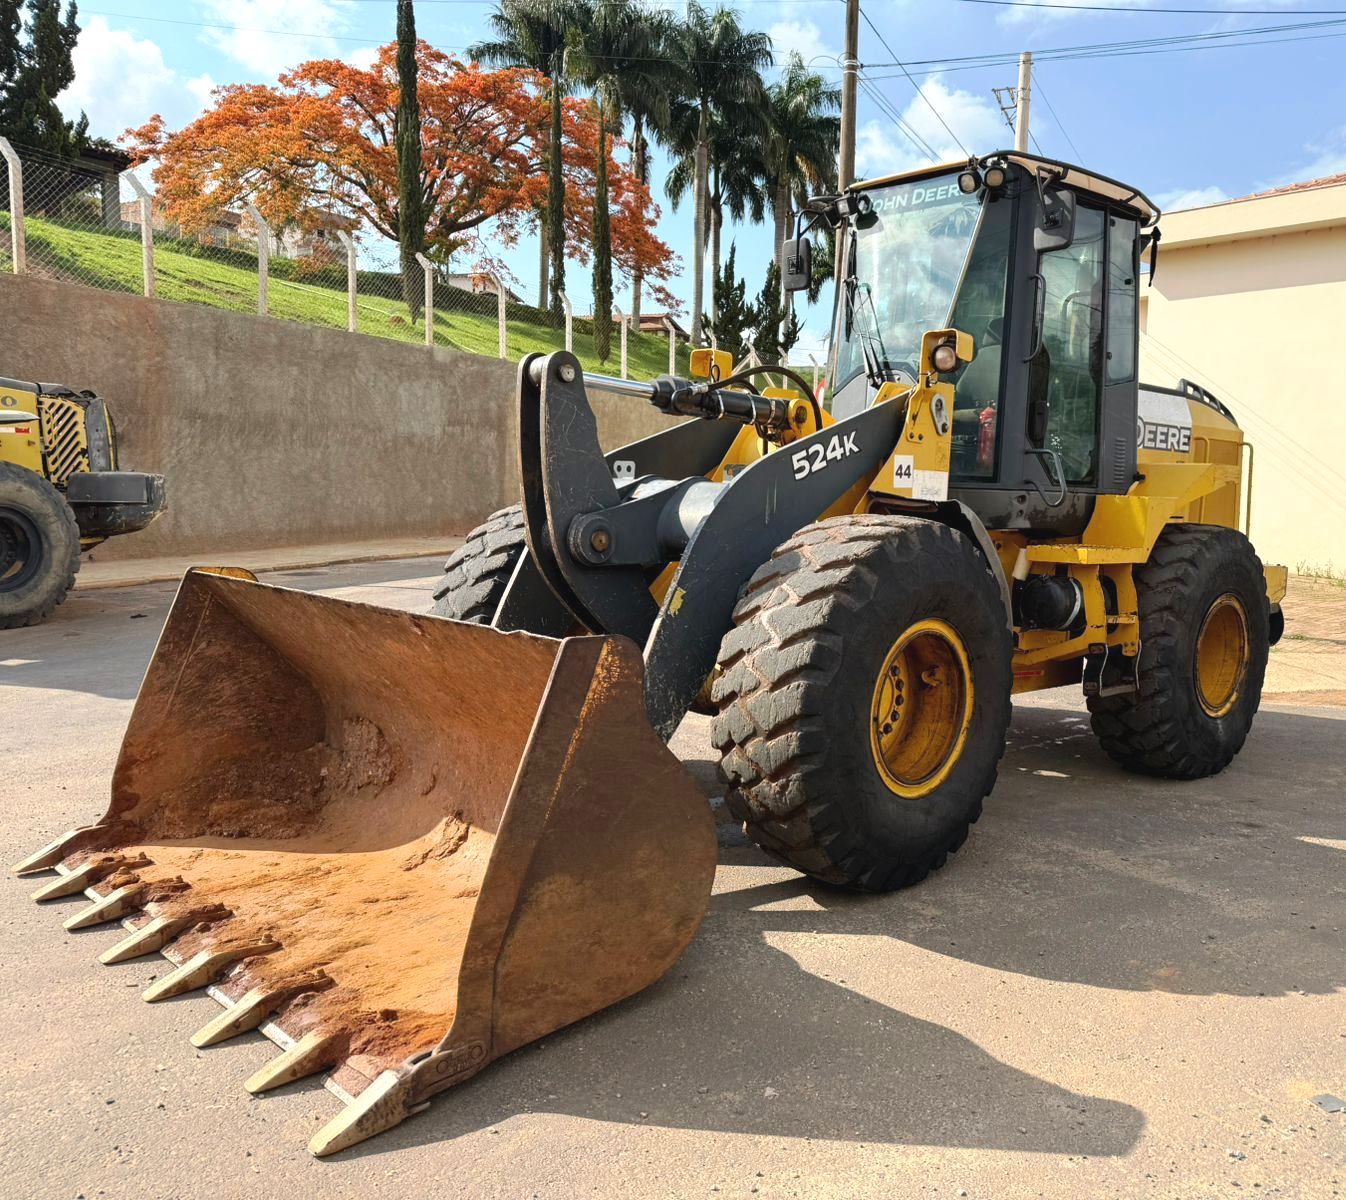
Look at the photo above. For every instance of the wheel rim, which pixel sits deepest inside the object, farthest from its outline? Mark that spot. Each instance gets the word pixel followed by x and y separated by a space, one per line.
pixel 922 708
pixel 1222 655
pixel 20 549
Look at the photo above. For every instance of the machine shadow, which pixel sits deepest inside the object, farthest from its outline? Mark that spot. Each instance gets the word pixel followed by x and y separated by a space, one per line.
pixel 738 1038
pixel 1083 873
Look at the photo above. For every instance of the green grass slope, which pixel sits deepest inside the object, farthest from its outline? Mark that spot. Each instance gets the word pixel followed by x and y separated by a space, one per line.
pixel 188 272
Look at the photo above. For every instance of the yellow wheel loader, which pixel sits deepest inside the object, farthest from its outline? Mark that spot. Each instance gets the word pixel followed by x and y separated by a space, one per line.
pixel 403 845
pixel 61 493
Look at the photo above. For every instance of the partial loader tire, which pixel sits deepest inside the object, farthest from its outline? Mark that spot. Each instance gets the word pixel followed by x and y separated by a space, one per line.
pixel 39 547
pixel 1204 637
pixel 863 699
pixel 477 573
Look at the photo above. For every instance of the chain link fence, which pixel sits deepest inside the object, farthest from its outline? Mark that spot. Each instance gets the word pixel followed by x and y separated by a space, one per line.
pixel 90 223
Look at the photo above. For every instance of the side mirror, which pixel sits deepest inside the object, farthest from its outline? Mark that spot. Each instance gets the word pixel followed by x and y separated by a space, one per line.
pixel 1056 222
pixel 796 264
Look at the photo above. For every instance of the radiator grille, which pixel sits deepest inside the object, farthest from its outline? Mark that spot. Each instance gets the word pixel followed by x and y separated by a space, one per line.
pixel 64 441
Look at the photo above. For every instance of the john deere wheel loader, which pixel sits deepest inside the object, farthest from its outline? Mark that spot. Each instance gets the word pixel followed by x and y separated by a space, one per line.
pixel 61 493
pixel 404 845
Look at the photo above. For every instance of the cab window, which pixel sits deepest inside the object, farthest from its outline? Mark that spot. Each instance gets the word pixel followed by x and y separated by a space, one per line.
pixel 1070 361
pixel 980 311
pixel 1121 364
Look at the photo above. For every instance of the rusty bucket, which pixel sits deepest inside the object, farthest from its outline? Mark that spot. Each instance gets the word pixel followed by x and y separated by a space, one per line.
pixel 399 846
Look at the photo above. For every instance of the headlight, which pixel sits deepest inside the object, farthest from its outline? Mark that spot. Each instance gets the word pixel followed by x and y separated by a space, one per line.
pixel 995 177
pixel 969 181
pixel 944 358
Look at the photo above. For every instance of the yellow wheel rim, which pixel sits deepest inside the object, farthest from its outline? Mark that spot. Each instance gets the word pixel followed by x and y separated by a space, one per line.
pixel 922 708
pixel 1222 655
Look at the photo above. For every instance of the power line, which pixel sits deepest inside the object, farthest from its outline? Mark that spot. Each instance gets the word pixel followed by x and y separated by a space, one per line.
pixel 889 110
pixel 1130 8
pixel 1126 49
pixel 1165 40
pixel 913 82
pixel 1037 80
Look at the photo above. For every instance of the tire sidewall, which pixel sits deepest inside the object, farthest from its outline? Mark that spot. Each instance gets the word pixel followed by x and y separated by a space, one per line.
pixel 45 507
pixel 1228 566
pixel 944 589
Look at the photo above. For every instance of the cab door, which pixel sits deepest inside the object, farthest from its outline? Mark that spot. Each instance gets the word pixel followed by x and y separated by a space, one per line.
pixel 1082 378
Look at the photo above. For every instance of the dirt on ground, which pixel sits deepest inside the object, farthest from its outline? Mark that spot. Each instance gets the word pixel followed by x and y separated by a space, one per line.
pixel 1308 665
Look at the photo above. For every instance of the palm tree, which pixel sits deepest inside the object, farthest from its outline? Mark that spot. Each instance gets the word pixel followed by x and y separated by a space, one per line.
pixel 738 174
pixel 620 58
pixel 649 87
pixel 533 34
pixel 722 65
pixel 803 131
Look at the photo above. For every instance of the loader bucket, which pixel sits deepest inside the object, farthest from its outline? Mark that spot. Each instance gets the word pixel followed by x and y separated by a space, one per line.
pixel 400 846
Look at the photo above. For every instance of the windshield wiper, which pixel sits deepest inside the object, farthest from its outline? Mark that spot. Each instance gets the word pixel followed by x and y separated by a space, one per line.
pixel 874 360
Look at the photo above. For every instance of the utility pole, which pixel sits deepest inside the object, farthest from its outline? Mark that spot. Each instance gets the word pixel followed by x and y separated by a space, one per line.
pixel 850 68
pixel 1023 97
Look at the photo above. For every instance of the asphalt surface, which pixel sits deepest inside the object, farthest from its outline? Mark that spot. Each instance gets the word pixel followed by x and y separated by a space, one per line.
pixel 1117 988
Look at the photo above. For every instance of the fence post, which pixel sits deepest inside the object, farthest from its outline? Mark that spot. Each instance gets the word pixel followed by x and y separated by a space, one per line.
pixel 499 309
pixel 146 231
pixel 263 257
pixel 570 322
pixel 672 345
pixel 429 303
pixel 349 243
pixel 621 316
pixel 814 361
pixel 18 246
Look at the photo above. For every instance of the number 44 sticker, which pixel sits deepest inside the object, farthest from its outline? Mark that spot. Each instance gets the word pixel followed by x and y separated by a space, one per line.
pixel 816 457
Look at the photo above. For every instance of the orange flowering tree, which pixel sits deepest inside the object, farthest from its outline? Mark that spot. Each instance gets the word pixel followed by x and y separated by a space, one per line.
pixel 321 140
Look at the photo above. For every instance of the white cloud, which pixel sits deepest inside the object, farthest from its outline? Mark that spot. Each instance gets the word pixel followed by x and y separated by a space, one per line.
pixel 804 38
pixel 1181 198
pixel 121 80
pixel 363 58
pixel 882 148
pixel 1328 158
pixel 298 30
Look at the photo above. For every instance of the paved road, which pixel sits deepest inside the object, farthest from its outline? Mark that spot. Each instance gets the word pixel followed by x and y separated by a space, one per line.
pixel 1116 989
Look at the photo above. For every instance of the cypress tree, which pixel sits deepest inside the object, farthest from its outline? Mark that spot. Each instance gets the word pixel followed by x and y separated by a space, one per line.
pixel 407 141
pixel 32 75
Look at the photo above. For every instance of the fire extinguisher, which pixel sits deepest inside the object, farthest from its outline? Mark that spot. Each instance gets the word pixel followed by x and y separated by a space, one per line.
pixel 986 439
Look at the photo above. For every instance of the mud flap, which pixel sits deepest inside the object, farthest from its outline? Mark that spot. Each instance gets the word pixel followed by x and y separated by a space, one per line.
pixel 398 845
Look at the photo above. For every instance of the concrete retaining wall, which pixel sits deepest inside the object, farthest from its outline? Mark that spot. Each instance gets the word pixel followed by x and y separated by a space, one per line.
pixel 275 434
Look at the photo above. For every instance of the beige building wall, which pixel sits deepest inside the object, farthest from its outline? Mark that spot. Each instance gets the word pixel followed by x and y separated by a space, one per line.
pixel 1249 301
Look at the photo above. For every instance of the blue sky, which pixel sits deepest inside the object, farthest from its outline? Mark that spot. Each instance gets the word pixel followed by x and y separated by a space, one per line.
pixel 1188 128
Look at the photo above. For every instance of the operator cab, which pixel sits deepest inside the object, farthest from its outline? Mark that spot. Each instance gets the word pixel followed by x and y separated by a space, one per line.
pixel 1038 261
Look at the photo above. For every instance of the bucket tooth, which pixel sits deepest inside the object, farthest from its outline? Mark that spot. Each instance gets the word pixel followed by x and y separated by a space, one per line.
pixel 116 904
pixel 155 934
pixel 87 875
pixel 255 1007
pixel 204 968
pixel 48 856
pixel 379 1107
pixel 312 1053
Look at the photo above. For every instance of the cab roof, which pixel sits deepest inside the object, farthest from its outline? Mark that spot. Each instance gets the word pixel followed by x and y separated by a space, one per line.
pixel 1077 177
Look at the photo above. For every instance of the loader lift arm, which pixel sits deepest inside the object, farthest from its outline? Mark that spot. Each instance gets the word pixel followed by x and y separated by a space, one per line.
pixel 594 542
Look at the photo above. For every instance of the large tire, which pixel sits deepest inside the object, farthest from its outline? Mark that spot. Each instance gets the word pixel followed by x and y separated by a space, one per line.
pixel 39 547
pixel 477 573
pixel 800 681
pixel 1201 581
